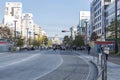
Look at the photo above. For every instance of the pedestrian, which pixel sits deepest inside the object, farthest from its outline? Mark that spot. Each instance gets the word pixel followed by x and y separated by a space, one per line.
pixel 106 51
pixel 100 49
pixel 88 48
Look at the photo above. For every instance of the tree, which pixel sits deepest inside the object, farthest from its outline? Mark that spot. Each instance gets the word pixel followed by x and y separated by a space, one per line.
pixel 94 37
pixel 37 41
pixel 78 41
pixel 114 32
pixel 66 40
pixel 20 41
pixel 111 29
pixel 49 42
pixel 45 40
pixel 5 32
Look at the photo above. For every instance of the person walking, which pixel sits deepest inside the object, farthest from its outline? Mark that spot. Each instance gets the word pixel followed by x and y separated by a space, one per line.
pixel 106 51
pixel 100 49
pixel 88 48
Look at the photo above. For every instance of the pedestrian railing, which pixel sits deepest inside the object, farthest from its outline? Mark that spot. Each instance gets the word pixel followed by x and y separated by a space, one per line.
pixel 102 75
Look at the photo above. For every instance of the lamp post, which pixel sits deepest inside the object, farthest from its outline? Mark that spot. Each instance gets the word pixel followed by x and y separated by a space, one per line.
pixel 86 25
pixel 116 43
pixel 26 17
pixel 27 37
pixel 15 33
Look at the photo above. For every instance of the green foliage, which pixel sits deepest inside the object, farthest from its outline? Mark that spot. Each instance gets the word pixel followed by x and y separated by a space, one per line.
pixel 78 41
pixel 66 40
pixel 5 32
pixel 45 40
pixel 49 42
pixel 113 53
pixel 94 37
pixel 20 41
pixel 39 40
pixel 111 29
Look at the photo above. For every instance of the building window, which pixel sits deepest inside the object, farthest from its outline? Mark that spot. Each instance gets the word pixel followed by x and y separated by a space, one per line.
pixel 107 0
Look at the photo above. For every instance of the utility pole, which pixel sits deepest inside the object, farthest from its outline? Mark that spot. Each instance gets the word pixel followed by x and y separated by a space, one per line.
pixel 116 27
pixel 15 33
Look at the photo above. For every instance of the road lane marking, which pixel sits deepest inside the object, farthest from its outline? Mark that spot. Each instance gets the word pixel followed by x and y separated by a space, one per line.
pixel 61 61
pixel 22 60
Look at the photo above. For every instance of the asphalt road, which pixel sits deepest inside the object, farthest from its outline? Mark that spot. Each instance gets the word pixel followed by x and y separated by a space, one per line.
pixel 72 68
pixel 43 65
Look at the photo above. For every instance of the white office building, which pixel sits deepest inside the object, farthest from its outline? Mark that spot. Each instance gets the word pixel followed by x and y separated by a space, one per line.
pixel 12 16
pixel 84 17
pixel 23 22
pixel 27 25
pixel 56 40
pixel 73 31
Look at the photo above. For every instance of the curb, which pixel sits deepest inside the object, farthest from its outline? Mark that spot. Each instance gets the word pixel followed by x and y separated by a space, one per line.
pixel 97 69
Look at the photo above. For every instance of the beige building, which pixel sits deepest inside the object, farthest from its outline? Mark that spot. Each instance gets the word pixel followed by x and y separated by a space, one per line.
pixel 37 29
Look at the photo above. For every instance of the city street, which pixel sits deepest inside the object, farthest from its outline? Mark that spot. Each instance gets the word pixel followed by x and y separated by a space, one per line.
pixel 44 65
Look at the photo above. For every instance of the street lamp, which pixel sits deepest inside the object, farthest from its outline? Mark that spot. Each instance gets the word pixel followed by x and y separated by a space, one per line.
pixel 29 37
pixel 26 17
pixel 86 25
pixel 15 32
pixel 116 43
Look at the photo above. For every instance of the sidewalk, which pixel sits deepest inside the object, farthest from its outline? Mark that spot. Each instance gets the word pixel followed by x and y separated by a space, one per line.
pixel 113 65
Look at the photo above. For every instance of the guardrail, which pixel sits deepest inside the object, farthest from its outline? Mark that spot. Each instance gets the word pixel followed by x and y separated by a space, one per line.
pixel 102 69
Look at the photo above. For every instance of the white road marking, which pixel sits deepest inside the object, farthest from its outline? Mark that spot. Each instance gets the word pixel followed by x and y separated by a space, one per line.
pixel 51 69
pixel 22 60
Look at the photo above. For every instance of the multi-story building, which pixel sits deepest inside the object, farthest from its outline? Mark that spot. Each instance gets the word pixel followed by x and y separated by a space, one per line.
pixel 37 29
pixel 84 17
pixel 110 11
pixel 27 25
pixel 73 31
pixel 56 40
pixel 44 33
pixel 98 16
pixel 12 16
pixel 83 28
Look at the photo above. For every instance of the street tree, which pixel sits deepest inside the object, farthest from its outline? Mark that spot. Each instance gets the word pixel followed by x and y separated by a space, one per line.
pixel 66 40
pixel 49 42
pixel 45 40
pixel 5 32
pixel 39 40
pixel 20 41
pixel 114 32
pixel 94 36
pixel 78 41
pixel 111 29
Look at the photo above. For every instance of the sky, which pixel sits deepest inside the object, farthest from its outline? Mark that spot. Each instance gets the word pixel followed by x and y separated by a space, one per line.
pixel 52 15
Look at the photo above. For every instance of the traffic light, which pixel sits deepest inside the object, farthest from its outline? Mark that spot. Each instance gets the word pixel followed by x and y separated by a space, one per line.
pixel 64 31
